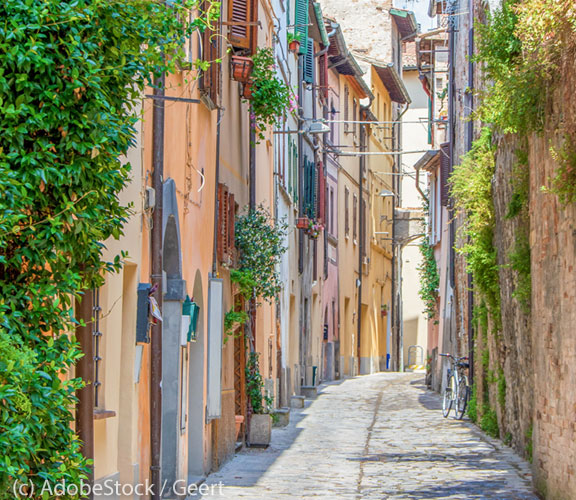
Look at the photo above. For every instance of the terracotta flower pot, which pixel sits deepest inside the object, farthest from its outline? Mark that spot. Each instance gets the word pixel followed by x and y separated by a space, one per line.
pixel 247 90
pixel 302 223
pixel 294 46
pixel 239 421
pixel 242 68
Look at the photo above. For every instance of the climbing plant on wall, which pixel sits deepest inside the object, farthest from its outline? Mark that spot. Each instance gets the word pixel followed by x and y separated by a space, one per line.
pixel 71 80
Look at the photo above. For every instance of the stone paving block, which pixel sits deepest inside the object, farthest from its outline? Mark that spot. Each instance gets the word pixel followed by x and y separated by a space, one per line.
pixel 297 401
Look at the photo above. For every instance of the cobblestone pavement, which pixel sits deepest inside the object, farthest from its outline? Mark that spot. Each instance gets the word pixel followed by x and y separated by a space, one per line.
pixel 375 437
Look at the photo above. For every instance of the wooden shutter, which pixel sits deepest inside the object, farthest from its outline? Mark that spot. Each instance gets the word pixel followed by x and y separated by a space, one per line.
pixel 323 76
pixel 346 109
pixel 309 63
pixel 210 81
pixel 241 13
pixel 321 193
pixel 444 173
pixel 347 211
pixel 219 241
pixel 231 225
pixel 355 218
pixel 301 24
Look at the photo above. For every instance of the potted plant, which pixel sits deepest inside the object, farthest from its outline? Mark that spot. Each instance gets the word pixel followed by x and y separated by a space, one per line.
pixel 268 94
pixel 384 310
pixel 302 222
pixel 241 68
pixel 294 40
pixel 260 428
pixel 314 228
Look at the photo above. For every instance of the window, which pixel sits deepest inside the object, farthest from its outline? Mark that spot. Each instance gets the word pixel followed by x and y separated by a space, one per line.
pixel 331 210
pixel 210 51
pixel 355 219
pixel 243 22
pixel 346 112
pixel 346 211
pixel 226 225
pixel 354 116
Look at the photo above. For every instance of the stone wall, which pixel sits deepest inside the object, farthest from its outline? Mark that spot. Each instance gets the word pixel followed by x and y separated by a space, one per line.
pixel 553 242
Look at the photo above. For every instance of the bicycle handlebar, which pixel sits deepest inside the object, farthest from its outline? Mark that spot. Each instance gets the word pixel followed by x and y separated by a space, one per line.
pixel 448 355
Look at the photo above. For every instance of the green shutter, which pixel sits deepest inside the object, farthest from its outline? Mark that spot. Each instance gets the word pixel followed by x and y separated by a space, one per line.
pixel 301 22
pixel 309 63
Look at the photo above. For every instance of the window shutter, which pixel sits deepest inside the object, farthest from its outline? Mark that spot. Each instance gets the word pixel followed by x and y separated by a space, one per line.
pixel 347 211
pixel 321 193
pixel 444 173
pixel 224 228
pixel 323 76
pixel 211 52
pixel 301 24
pixel 309 63
pixel 346 109
pixel 220 205
pixel 241 34
pixel 231 224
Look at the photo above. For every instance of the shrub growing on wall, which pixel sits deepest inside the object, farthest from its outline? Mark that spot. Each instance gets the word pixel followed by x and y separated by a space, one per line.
pixel 71 79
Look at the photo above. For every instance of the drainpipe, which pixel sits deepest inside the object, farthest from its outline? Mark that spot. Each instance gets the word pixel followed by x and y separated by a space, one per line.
pixel 361 229
pixel 85 371
pixel 396 276
pixel 470 139
pixel 156 280
pixel 216 207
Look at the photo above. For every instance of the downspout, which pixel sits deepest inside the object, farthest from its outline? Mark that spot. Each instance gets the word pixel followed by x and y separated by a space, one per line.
pixel 216 207
pixel 85 371
pixel 395 309
pixel 361 231
pixel 300 165
pixel 156 281
pixel 470 140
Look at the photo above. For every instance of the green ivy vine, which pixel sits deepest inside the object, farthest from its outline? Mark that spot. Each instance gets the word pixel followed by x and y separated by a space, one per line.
pixel 429 280
pixel 71 82
pixel 259 402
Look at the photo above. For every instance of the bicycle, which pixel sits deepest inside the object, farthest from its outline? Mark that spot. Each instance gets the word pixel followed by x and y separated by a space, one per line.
pixel 457 388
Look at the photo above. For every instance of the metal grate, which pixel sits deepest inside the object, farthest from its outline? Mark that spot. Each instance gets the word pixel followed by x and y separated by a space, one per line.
pixel 97 334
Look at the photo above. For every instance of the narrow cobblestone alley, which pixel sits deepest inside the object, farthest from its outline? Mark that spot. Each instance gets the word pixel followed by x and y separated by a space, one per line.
pixel 375 437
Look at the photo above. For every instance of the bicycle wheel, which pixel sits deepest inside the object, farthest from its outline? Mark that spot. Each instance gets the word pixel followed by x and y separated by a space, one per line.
pixel 448 396
pixel 462 397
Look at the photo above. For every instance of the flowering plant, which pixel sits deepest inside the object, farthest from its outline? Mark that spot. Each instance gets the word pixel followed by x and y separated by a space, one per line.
pixel 314 228
pixel 270 96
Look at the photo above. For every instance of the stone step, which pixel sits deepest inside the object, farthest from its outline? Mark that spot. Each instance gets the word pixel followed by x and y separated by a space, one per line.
pixel 309 391
pixel 297 401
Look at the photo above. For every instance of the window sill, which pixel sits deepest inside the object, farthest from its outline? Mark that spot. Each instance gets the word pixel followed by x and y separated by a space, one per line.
pixel 103 414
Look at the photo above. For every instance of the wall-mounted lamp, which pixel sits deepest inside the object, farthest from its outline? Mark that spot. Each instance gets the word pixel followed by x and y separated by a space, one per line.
pixel 386 193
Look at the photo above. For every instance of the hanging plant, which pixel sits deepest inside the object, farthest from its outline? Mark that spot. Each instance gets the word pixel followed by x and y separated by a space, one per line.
pixel 269 96
pixel 294 41
pixel 314 228
pixel 259 402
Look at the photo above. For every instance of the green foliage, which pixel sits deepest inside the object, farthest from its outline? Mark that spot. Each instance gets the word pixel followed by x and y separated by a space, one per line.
pixel 564 183
pixel 245 280
pixel 489 421
pixel 259 402
pixel 471 184
pixel 473 405
pixel 295 36
pixel 270 96
pixel 429 280
pixel 260 240
pixel 501 385
pixel 523 55
pixel 529 444
pixel 513 100
pixel 71 81
pixel 232 320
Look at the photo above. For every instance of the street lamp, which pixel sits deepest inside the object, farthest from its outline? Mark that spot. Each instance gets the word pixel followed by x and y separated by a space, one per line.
pixel 386 193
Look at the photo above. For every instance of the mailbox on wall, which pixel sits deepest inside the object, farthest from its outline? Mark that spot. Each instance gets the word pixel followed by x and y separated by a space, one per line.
pixel 142 314
pixel 190 311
